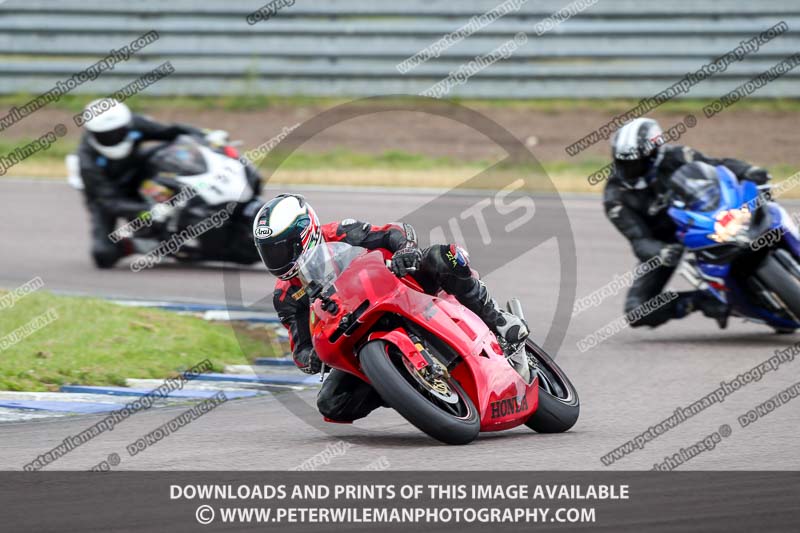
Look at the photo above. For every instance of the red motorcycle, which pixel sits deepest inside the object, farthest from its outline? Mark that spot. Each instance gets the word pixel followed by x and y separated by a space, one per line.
pixel 429 358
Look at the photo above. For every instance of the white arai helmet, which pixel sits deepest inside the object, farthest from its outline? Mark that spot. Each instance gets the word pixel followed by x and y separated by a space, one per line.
pixel 109 127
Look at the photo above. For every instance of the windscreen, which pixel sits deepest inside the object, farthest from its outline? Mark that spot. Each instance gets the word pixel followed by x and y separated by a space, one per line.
pixel 697 187
pixel 326 262
pixel 182 158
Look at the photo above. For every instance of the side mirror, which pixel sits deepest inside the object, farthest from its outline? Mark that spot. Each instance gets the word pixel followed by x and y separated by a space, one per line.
pixel 312 290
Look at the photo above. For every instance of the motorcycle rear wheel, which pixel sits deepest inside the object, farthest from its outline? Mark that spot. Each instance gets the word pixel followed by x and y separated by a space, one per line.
pixel 456 423
pixel 559 405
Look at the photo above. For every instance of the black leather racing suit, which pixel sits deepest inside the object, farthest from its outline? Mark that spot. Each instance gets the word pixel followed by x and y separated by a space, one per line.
pixel 641 216
pixel 344 397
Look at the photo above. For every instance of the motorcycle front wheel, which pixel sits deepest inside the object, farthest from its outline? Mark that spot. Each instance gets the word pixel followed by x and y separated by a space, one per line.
pixel 779 273
pixel 441 409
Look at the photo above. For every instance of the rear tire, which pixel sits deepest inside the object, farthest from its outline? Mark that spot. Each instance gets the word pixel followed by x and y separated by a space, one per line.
pixel 559 405
pixel 776 273
pixel 382 363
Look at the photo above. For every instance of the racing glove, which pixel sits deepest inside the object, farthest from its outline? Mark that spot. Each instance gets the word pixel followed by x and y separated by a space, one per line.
pixel 670 254
pixel 216 138
pixel 406 261
pixel 307 361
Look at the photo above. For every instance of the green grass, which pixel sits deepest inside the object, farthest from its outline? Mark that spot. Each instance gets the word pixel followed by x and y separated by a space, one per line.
pixel 57 150
pixel 351 168
pixel 391 159
pixel 620 105
pixel 400 160
pixel 75 102
pixel 335 159
pixel 94 342
pixel 299 160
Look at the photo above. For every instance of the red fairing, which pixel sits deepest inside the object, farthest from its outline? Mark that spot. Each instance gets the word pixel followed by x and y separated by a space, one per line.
pixel 289 292
pixel 399 337
pixel 501 396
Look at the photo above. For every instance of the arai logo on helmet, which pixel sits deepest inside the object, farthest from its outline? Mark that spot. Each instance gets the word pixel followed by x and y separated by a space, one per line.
pixel 262 230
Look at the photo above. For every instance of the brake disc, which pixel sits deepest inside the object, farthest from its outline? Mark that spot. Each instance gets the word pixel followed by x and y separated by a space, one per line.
pixel 436 385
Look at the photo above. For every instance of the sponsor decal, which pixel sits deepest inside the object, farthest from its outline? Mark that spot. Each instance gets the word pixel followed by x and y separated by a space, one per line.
pixel 299 293
pixel 508 406
pixel 729 223
pixel 262 232
pixel 430 310
pixel 457 256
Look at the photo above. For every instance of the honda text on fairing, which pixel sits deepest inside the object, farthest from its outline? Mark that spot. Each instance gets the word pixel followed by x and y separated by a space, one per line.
pixel 428 357
pixel 742 247
pixel 185 182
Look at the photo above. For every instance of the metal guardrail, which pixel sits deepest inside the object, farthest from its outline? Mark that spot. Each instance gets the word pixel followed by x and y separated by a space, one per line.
pixel 616 48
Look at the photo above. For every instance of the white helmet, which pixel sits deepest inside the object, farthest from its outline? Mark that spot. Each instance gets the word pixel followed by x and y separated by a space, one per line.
pixel 109 127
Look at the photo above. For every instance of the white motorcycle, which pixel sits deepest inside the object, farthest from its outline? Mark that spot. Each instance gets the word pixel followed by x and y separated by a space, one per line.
pixel 201 197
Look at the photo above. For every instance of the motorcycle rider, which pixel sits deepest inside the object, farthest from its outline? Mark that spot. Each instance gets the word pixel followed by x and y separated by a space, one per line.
pixel 634 202
pixel 110 168
pixel 286 229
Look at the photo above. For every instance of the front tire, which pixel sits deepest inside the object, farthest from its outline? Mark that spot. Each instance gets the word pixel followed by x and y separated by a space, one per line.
pixel 559 405
pixel 777 273
pixel 452 424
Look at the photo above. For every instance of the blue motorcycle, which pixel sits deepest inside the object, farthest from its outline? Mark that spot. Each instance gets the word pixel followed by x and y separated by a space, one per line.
pixel 740 246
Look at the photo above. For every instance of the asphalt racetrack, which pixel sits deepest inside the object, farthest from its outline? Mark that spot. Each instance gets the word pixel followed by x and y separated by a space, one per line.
pixel 629 382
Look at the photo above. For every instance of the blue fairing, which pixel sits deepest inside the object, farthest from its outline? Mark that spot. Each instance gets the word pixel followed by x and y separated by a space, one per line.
pixel 715 270
pixel 696 224
pixel 694 227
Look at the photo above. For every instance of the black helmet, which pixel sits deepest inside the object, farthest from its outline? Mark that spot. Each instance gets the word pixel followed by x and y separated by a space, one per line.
pixel 634 151
pixel 285 229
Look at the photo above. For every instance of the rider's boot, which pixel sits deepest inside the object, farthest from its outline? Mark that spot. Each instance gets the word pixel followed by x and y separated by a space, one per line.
pixel 512 328
pixel 507 325
pixel 712 308
pixel 106 254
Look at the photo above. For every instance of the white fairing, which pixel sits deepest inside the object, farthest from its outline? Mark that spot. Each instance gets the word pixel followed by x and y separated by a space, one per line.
pixel 224 182
pixel 74 171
